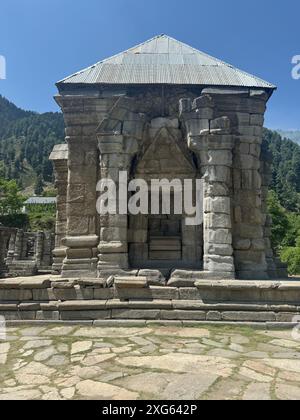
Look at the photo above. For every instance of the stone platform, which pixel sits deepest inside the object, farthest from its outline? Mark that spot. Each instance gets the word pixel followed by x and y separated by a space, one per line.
pixel 51 298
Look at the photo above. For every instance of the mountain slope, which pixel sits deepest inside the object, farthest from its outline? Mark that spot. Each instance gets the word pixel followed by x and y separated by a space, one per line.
pixel 291 135
pixel 26 140
pixel 286 169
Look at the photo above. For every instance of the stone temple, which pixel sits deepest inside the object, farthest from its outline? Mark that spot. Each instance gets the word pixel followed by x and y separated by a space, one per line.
pixel 163 110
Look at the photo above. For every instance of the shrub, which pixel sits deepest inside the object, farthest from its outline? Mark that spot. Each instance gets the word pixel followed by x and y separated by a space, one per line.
pixel 19 221
pixel 291 256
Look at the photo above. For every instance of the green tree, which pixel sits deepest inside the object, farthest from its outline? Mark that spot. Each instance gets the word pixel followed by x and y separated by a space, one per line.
pixel 11 201
pixel 281 225
pixel 39 186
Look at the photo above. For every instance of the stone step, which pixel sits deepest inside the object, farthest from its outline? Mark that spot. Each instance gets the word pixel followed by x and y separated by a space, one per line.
pixel 131 282
pixel 148 310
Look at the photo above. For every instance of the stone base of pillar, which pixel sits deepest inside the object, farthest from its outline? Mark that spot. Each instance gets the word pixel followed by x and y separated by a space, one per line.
pixel 112 263
pixel 59 254
pixel 81 256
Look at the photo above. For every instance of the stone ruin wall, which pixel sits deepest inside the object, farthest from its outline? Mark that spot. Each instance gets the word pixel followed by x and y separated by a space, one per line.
pixel 26 253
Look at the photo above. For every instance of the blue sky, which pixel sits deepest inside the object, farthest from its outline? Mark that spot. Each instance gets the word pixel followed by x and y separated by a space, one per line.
pixel 46 40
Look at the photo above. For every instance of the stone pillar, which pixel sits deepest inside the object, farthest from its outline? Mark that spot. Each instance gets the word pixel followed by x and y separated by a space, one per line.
pixel 19 245
pixel 39 248
pixel 11 248
pixel 59 157
pixel 82 114
pixel 113 247
pixel 211 140
pixel 218 250
pixel 251 245
pixel 81 239
pixel 120 136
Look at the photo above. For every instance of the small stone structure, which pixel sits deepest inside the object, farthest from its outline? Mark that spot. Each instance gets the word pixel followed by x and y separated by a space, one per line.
pixel 5 235
pixel 29 253
pixel 164 110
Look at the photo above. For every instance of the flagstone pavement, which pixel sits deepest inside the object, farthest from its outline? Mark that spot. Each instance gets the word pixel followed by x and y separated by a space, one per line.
pixel 164 363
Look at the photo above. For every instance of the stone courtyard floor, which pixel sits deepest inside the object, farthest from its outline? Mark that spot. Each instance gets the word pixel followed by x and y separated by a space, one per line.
pixel 164 363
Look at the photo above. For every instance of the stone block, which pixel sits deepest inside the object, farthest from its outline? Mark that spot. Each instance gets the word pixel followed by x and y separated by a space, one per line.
pixel 218 173
pixel 217 205
pixel 204 101
pixel 220 249
pixel 15 295
pixel 27 315
pixel 248 231
pixel 154 277
pixel 219 236
pixel 249 316
pixel 10 315
pixel 183 315
pixel 189 293
pixel 217 190
pixel 113 248
pixel 214 316
pixel 257 119
pixel 131 282
pixel 77 305
pixel 103 294
pixel 83 241
pixel 242 244
pixel 113 234
pixel 138 236
pixel 217 220
pixel 219 263
pixel 47 316
pixel 84 315
pixel 258 245
pixel 250 261
pixel 220 157
pixel 135 314
pixel 153 292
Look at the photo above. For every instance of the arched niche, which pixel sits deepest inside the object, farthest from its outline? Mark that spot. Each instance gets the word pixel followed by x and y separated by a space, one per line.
pixel 164 240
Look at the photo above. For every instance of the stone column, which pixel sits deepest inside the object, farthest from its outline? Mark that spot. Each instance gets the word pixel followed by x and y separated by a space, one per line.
pixel 11 248
pixel 120 136
pixel 251 243
pixel 211 140
pixel 113 245
pixel 59 157
pixel 215 152
pixel 82 114
pixel 81 239
pixel 39 248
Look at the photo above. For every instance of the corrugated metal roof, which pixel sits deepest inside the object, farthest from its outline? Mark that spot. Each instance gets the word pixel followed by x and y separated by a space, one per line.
pixel 41 200
pixel 164 60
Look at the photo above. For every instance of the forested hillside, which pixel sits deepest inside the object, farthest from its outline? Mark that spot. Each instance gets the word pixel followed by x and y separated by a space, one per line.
pixel 290 134
pixel 286 169
pixel 284 198
pixel 26 140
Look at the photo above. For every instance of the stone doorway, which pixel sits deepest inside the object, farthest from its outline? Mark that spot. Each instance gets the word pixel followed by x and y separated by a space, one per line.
pixel 163 241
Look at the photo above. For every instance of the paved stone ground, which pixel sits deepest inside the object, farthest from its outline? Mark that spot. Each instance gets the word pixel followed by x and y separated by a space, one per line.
pixel 67 362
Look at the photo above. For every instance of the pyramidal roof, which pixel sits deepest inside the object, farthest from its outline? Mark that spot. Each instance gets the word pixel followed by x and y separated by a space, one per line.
pixel 164 60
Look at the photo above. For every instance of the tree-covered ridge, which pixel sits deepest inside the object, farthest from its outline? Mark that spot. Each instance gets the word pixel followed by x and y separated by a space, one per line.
pixel 285 168
pixel 26 141
pixel 293 135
